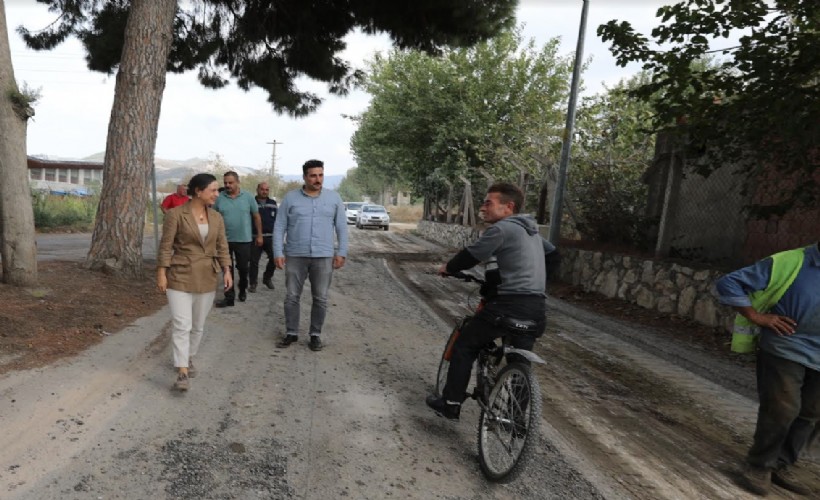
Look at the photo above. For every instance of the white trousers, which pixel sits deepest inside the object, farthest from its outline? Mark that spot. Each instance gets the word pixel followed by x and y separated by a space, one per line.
pixel 188 313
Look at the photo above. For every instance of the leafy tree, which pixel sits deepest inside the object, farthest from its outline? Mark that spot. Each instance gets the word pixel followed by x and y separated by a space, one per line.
pixel 612 149
pixel 473 113
pixel 759 108
pixel 265 44
pixel 17 244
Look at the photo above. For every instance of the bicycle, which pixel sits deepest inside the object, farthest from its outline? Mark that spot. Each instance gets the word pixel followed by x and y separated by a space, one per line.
pixel 509 397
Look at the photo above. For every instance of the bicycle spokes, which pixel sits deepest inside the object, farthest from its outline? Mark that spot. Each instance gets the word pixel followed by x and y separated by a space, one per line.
pixel 507 422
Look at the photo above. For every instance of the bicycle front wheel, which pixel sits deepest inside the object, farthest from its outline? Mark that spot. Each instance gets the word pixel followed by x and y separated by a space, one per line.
pixel 508 425
pixel 444 364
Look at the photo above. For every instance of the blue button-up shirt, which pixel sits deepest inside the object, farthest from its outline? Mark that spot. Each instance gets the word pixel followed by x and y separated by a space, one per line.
pixel 801 302
pixel 310 223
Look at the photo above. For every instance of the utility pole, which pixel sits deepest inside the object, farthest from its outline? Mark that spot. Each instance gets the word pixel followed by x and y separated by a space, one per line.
pixel 561 181
pixel 273 159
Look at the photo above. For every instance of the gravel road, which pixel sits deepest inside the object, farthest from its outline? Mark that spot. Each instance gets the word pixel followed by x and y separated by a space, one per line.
pixel 627 413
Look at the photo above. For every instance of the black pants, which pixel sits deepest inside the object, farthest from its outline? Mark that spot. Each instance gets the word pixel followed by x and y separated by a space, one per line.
pixel 256 254
pixel 481 330
pixel 240 258
pixel 789 396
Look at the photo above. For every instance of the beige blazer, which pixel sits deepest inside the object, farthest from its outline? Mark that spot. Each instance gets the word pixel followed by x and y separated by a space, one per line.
pixel 193 265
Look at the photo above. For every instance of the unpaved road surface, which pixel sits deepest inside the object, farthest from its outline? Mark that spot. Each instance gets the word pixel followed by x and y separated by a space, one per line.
pixel 627 413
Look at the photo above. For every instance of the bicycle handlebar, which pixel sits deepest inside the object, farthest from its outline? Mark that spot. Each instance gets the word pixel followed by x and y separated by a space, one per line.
pixel 466 277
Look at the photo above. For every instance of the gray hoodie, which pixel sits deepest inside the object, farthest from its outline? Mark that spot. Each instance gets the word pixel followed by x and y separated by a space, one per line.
pixel 519 252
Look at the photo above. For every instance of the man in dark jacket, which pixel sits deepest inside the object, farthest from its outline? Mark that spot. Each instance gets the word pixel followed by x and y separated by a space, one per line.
pixel 267 211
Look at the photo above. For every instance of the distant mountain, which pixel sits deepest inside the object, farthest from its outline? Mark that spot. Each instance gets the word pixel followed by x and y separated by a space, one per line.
pixel 180 170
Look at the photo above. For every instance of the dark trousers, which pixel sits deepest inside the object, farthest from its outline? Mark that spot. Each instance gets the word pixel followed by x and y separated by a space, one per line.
pixel 256 254
pixel 789 396
pixel 240 258
pixel 480 330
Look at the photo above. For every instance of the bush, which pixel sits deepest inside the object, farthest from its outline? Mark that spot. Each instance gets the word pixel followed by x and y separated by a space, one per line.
pixel 56 211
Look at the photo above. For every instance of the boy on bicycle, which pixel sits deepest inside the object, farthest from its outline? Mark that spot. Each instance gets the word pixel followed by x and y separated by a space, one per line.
pixel 516 289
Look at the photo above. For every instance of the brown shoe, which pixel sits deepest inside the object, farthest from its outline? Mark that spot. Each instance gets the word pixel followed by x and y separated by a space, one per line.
pixel 191 369
pixel 757 480
pixel 182 382
pixel 785 478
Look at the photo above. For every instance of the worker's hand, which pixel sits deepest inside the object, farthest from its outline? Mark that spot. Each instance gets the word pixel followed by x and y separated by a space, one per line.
pixel 259 241
pixel 338 262
pixel 280 262
pixel 442 271
pixel 228 281
pixel 782 325
pixel 162 283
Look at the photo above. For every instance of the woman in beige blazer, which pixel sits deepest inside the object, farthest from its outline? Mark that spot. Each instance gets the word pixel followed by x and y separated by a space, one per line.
pixel 192 252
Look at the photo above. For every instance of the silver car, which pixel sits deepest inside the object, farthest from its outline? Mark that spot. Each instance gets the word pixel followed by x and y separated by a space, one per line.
pixel 352 210
pixel 373 216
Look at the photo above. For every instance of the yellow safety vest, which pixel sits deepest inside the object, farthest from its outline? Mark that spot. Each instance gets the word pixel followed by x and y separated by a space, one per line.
pixel 785 268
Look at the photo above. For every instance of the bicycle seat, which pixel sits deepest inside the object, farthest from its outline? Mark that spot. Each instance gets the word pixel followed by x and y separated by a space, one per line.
pixel 514 325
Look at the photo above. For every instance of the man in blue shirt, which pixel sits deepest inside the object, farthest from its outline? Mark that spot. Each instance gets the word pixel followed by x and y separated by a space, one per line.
pixel 267 212
pixel 788 368
pixel 238 209
pixel 303 239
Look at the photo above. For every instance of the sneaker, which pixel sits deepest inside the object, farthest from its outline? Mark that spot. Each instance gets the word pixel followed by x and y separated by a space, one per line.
pixel 444 408
pixel 268 283
pixel 315 343
pixel 251 288
pixel 785 478
pixel 224 303
pixel 191 369
pixel 182 382
pixel 757 480
pixel 287 340
pixel 243 295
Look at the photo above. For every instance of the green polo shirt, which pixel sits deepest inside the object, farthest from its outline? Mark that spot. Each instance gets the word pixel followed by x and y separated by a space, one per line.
pixel 238 214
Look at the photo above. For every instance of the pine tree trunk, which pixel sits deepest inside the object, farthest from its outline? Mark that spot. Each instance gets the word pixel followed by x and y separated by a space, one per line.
pixel 116 245
pixel 17 238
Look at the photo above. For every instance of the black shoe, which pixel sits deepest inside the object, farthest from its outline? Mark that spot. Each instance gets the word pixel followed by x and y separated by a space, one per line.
pixel 786 479
pixel 224 303
pixel 444 408
pixel 252 288
pixel 242 295
pixel 268 283
pixel 315 343
pixel 287 340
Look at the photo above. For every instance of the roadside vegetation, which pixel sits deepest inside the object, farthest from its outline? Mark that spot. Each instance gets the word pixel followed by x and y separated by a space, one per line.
pixel 63 212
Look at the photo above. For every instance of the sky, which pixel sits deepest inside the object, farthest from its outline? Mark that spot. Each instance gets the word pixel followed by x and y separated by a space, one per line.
pixel 72 115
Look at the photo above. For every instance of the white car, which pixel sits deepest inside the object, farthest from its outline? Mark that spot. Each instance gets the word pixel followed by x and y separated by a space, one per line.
pixel 352 210
pixel 373 216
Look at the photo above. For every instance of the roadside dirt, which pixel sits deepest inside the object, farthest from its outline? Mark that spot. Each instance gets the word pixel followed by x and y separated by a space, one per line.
pixel 69 310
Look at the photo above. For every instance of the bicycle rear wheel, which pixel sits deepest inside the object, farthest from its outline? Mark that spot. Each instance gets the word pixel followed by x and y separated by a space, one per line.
pixel 508 425
pixel 444 364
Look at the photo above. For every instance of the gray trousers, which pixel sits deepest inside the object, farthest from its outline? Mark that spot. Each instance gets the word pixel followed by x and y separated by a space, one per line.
pixel 319 270
pixel 789 410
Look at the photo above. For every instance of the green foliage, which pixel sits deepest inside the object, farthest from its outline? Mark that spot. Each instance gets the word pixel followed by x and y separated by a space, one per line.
pixel 51 211
pixel 23 100
pixel 271 45
pixel 349 188
pixel 611 151
pixel 470 112
pixel 759 106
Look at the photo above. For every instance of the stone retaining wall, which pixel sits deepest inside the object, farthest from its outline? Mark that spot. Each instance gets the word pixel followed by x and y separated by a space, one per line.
pixel 663 286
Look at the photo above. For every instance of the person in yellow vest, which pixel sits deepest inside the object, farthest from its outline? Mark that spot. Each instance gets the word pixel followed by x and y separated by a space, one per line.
pixel 778 305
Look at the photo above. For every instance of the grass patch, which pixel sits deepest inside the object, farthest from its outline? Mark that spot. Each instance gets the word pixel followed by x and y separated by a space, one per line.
pixel 405 213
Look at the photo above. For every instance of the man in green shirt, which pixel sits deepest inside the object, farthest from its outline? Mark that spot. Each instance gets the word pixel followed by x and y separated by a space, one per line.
pixel 238 208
